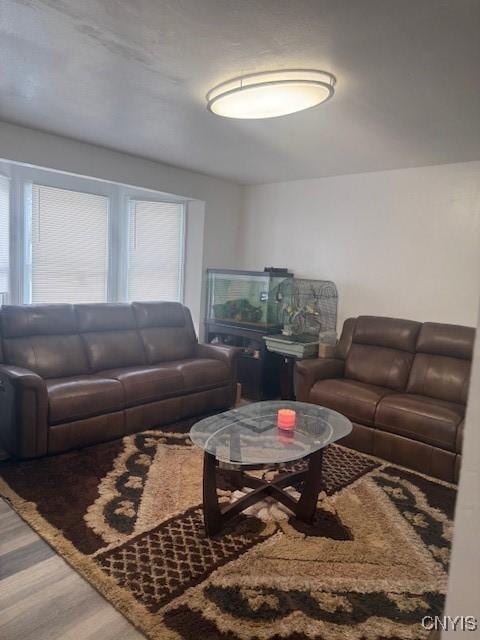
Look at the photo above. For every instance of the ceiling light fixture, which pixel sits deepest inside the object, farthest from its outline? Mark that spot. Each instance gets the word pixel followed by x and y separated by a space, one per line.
pixel 271 93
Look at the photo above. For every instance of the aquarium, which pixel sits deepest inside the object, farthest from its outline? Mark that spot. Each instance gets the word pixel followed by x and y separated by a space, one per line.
pixel 254 299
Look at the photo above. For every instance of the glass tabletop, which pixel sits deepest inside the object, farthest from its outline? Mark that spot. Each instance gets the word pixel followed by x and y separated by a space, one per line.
pixel 249 435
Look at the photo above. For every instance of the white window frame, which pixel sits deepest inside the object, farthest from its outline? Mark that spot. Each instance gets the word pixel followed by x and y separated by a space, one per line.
pixel 118 196
pixel 6 299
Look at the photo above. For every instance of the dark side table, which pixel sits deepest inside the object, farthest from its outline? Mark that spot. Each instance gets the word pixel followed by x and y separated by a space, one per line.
pixel 287 350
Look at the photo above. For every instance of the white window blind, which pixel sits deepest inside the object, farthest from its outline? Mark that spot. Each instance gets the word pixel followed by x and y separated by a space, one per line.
pixel 69 246
pixel 4 237
pixel 156 241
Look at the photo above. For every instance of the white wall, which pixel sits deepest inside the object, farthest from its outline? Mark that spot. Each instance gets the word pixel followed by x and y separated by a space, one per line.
pixel 218 239
pixel 463 598
pixel 398 243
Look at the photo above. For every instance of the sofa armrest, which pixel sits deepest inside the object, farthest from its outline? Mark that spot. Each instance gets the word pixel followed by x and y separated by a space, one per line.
pixel 309 371
pixel 23 412
pixel 226 354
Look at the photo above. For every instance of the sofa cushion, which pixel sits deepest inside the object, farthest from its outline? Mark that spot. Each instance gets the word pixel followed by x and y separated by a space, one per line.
pixel 420 418
pixel 203 373
pixel 166 330
pixel 148 383
pixel 44 339
pixel 113 349
pixel 357 400
pixel 159 314
pixel 380 366
pixel 382 351
pixel 82 396
pixel 104 317
pixel 392 333
pixel 109 332
pixel 440 377
pixel 37 320
pixel 451 340
pixel 48 356
pixel 164 344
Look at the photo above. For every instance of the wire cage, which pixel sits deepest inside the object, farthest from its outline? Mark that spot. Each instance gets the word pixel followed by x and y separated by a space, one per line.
pixel 313 307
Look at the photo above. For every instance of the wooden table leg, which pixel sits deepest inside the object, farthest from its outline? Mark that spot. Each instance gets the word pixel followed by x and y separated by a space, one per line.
pixel 307 505
pixel 212 516
pixel 304 509
pixel 235 455
pixel 287 388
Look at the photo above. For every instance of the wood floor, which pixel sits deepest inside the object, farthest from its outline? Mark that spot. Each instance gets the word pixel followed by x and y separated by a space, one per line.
pixel 43 598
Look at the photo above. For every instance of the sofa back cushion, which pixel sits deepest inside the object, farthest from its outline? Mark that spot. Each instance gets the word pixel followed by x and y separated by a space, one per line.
pixel 441 368
pixel 110 336
pixel 453 340
pixel 166 330
pixel 44 339
pixel 382 351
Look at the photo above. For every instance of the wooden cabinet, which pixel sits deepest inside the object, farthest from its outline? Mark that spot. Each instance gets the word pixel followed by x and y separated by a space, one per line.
pixel 258 368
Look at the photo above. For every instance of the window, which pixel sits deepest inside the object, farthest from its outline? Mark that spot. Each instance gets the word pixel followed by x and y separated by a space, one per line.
pixel 156 242
pixel 4 237
pixel 66 238
pixel 69 234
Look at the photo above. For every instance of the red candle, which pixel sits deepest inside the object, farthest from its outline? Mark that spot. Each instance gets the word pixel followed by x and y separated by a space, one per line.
pixel 286 419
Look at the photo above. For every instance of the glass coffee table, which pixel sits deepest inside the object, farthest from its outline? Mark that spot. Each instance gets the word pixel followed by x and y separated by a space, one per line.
pixel 248 438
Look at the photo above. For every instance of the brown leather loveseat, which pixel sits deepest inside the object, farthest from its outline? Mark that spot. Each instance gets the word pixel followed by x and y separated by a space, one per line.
pixel 74 375
pixel 404 386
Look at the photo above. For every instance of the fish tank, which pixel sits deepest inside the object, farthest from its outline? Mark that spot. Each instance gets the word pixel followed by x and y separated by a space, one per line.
pixel 250 299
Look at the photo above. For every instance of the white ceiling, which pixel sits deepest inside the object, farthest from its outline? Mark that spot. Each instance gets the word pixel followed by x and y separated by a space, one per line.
pixel 132 75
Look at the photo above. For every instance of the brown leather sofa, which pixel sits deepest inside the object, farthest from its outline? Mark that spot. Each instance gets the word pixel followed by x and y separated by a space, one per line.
pixel 74 375
pixel 403 385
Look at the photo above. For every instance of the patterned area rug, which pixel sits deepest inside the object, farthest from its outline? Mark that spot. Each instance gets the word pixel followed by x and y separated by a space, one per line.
pixel 127 515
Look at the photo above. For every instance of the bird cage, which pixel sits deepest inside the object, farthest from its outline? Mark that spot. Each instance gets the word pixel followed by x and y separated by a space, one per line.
pixel 313 307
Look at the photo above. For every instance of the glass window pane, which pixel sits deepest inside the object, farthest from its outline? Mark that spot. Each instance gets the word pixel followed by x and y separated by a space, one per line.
pixel 69 246
pixel 156 239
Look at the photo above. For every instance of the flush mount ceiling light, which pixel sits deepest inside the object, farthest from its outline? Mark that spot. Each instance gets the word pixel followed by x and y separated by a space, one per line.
pixel 271 93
